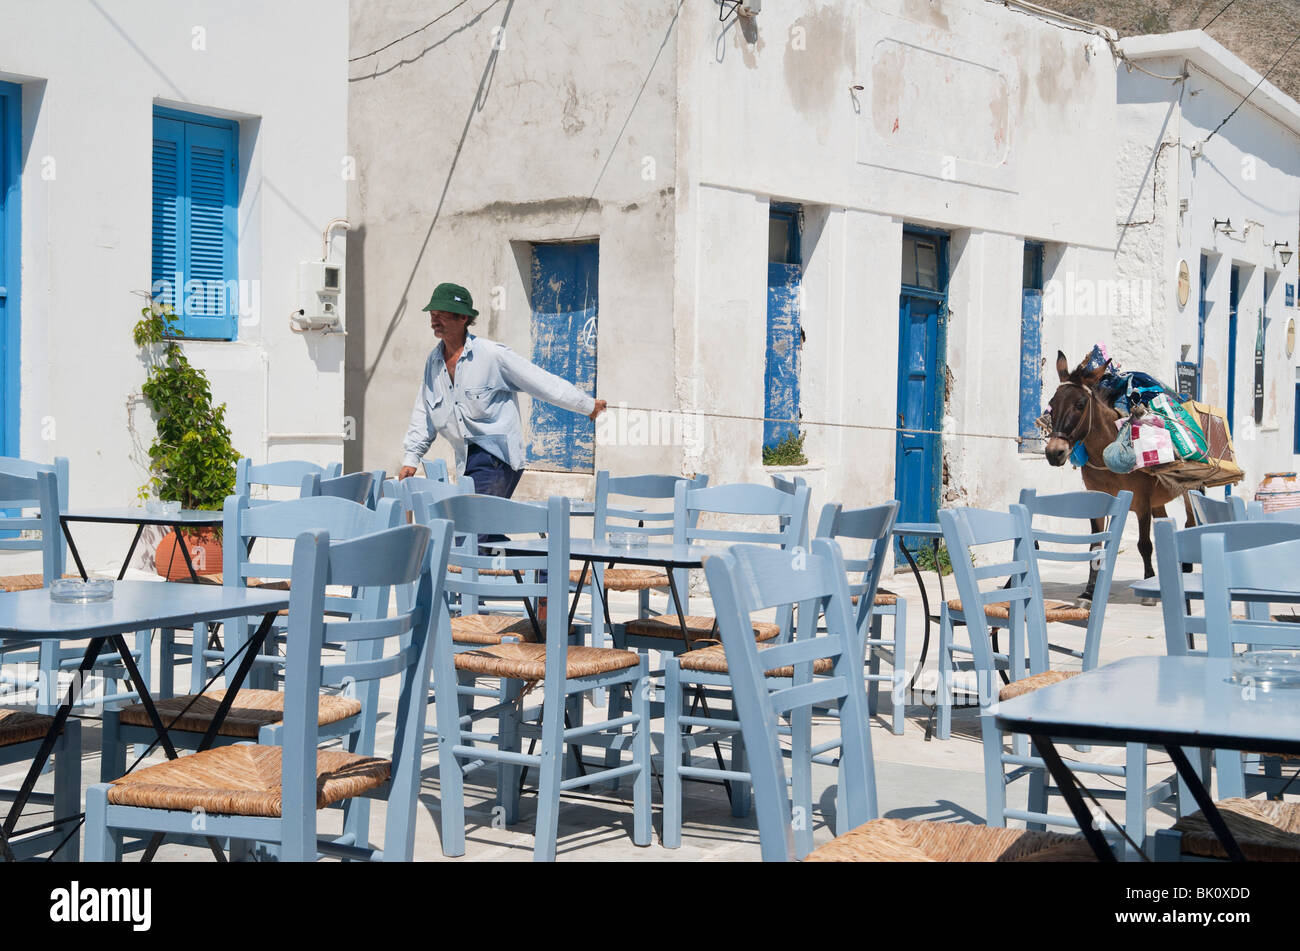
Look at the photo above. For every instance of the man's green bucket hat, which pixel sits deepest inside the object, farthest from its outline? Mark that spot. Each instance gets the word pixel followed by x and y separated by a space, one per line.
pixel 453 299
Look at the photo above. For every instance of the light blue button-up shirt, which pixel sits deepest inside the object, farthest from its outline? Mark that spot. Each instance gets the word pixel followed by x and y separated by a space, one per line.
pixel 482 406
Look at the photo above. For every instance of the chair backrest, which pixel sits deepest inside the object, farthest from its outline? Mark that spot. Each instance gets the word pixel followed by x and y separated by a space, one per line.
pixel 377 479
pixel 966 531
pixel 608 515
pixel 1259 563
pixel 288 473
pixel 404 490
pixel 1100 549
pixel 1177 547
pixel 40 491
pixel 355 487
pixel 1255 512
pixel 377 647
pixel 872 525
pixel 436 469
pixel 12 465
pixel 1208 511
pixel 425 497
pixel 789 486
pixel 750 578
pixel 473 516
pixel 741 499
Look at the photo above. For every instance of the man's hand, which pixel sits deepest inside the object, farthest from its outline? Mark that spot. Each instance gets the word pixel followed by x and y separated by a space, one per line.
pixel 406 471
pixel 600 408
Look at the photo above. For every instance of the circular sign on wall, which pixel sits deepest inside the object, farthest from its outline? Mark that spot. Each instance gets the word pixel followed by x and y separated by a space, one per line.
pixel 1290 337
pixel 1184 283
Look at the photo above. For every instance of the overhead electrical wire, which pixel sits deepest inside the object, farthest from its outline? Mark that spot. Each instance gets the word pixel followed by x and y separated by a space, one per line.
pixel 1252 91
pixel 1219 14
pixel 407 36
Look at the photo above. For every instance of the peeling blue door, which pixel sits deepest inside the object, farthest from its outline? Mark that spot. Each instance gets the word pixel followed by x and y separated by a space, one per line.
pixel 564 306
pixel 1031 348
pixel 922 311
pixel 781 375
pixel 10 234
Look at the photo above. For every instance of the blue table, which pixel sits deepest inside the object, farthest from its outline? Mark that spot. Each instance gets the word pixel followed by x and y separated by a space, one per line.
pixel 136 605
pixel 1161 701
pixel 139 517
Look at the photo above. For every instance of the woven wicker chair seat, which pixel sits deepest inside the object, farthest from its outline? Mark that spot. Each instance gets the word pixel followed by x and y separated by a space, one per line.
pixel 884 599
pixel 492 628
pixel 528 661
pixel 495 572
pixel 242 780
pixel 216 577
pixel 18 726
pixel 714 660
pixel 626 579
pixel 898 840
pixel 13 583
pixel 1038 681
pixel 697 627
pixel 1267 831
pixel 1055 610
pixel 251 710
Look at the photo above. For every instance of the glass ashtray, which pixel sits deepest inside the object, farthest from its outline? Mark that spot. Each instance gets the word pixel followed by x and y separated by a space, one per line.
pixel 628 539
pixel 76 591
pixel 157 507
pixel 1267 670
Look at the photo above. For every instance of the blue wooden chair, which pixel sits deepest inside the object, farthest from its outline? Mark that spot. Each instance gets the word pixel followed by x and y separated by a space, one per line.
pixel 1208 511
pixel 968 531
pixel 1176 548
pixel 14 523
pixel 404 489
pixel 286 474
pixel 436 469
pixel 519 657
pixel 873 525
pixel 250 792
pixel 1252 557
pixel 699 677
pixel 751 578
pixel 355 487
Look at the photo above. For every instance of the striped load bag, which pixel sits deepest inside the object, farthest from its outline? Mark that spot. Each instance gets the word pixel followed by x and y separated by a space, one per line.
pixel 1188 438
pixel 1151 442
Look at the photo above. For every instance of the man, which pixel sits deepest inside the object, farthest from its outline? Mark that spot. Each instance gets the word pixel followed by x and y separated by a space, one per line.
pixel 470 397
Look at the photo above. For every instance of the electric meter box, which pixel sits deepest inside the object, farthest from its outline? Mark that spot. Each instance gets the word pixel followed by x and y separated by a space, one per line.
pixel 320 286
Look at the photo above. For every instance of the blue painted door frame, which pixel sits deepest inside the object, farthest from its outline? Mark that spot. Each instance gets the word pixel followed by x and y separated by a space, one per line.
pixel 1203 312
pixel 784 334
pixel 1031 348
pixel 1234 294
pixel 922 343
pixel 565 297
pixel 10 270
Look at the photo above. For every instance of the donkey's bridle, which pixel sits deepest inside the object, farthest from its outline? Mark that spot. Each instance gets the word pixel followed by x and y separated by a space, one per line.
pixel 1086 423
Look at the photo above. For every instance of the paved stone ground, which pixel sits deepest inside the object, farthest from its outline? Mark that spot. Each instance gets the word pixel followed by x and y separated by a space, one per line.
pixel 916 778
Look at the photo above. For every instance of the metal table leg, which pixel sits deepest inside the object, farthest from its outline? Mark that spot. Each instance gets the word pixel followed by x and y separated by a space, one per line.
pixel 1065 783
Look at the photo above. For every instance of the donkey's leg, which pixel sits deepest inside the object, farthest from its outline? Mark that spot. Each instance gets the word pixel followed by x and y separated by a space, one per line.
pixel 1098 526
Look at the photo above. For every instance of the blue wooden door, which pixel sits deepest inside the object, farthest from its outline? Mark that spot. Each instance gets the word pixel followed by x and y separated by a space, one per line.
pixel 564 306
pixel 10 233
pixel 916 473
pixel 1202 312
pixel 781 374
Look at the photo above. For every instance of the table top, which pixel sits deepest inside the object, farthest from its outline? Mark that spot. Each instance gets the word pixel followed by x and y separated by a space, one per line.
pixel 136 605
pixel 923 529
pixel 1184 701
pixel 664 554
pixel 134 515
pixel 1194 588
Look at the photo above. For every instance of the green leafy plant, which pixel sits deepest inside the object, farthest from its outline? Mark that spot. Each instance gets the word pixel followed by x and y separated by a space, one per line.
pixel 788 452
pixel 926 560
pixel 191 460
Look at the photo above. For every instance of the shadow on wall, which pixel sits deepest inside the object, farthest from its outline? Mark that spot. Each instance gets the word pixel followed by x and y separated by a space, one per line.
pixel 354 349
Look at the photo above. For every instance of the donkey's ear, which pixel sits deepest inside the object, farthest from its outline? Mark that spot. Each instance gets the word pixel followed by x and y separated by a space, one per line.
pixel 1092 377
pixel 1062 367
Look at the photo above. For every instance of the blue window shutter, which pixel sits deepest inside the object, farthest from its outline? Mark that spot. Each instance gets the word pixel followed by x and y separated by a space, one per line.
pixel 211 295
pixel 1031 369
pixel 168 210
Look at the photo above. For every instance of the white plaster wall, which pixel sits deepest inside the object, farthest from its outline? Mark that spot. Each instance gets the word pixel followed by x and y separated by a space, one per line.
pixel 519 122
pixel 91 73
pixel 1250 173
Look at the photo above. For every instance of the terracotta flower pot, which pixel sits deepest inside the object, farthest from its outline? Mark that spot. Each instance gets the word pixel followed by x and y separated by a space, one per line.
pixel 205 552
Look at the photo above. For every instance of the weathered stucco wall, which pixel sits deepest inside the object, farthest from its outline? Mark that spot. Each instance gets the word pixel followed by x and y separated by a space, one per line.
pixel 499 124
pixel 91 75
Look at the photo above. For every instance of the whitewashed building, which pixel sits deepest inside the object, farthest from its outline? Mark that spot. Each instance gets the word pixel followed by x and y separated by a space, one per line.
pixel 1208 213
pixel 136 138
pixel 841 215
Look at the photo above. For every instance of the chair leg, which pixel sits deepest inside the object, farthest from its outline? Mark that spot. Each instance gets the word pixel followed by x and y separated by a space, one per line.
pixel 1231 774
pixel 550 772
pixel 873 668
pixel 614 708
pixel 451 779
pixel 943 698
pixel 99 840
pixel 67 790
pixel 509 741
pixel 112 750
pixel 741 792
pixel 1135 797
pixel 900 666
pixel 995 784
pixel 672 811
pixel 641 752
pixel 1037 797
pixel 166 664
pixel 800 777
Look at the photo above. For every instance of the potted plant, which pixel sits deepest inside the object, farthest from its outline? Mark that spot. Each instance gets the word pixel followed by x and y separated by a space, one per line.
pixel 191 459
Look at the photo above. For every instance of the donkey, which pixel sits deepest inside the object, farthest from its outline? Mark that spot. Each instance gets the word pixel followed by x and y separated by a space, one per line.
pixel 1079 414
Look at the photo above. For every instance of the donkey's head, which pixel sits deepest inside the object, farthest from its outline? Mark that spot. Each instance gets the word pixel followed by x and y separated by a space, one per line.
pixel 1068 411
